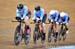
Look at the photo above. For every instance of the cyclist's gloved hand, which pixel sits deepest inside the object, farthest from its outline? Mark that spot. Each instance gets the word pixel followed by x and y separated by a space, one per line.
pixel 61 23
pixel 38 20
pixel 33 19
pixel 64 23
pixel 51 20
pixel 22 18
pixel 17 18
pixel 57 22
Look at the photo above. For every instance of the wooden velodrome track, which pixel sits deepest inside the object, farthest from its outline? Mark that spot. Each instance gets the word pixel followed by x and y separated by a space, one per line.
pixel 7 28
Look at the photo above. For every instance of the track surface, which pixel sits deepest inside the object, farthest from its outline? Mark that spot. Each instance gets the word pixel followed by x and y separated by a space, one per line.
pixel 7 28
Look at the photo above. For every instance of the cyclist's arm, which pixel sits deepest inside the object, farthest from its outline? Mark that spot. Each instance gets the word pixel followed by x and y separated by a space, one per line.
pixel 42 14
pixel 66 20
pixel 49 17
pixel 25 11
pixel 60 20
pixel 34 14
pixel 18 13
pixel 56 17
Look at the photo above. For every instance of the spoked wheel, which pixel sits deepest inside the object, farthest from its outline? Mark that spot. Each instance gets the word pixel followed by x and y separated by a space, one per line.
pixel 17 36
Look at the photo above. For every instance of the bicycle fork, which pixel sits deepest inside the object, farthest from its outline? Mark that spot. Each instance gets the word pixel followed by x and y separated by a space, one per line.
pixel 20 33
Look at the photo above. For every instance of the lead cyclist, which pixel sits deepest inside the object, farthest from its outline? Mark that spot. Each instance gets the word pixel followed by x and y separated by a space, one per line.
pixel 23 13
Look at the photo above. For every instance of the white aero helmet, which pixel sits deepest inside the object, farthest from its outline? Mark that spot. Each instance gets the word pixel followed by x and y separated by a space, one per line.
pixel 57 11
pixel 52 12
pixel 62 14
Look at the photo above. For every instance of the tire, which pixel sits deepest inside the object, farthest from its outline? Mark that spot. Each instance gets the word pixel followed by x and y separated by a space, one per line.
pixel 50 32
pixel 60 34
pixel 59 37
pixel 49 36
pixel 43 36
pixel 27 39
pixel 64 34
pixel 26 36
pixel 17 36
pixel 36 34
pixel 55 40
pixel 35 37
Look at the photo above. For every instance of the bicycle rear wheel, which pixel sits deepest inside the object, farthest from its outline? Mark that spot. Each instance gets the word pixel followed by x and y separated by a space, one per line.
pixel 27 39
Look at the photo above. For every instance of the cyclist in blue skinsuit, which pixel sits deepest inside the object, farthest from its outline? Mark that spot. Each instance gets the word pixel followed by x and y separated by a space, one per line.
pixel 54 17
pixel 40 13
pixel 64 18
pixel 23 13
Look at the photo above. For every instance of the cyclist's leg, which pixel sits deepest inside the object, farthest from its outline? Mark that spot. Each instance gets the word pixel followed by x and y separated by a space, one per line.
pixel 44 20
pixel 56 28
pixel 43 36
pixel 27 23
pixel 54 34
pixel 43 26
pixel 66 27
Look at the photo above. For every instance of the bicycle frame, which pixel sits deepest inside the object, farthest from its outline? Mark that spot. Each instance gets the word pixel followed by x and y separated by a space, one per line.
pixel 18 33
pixel 52 25
pixel 51 31
pixel 63 26
pixel 62 31
pixel 37 34
pixel 20 24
